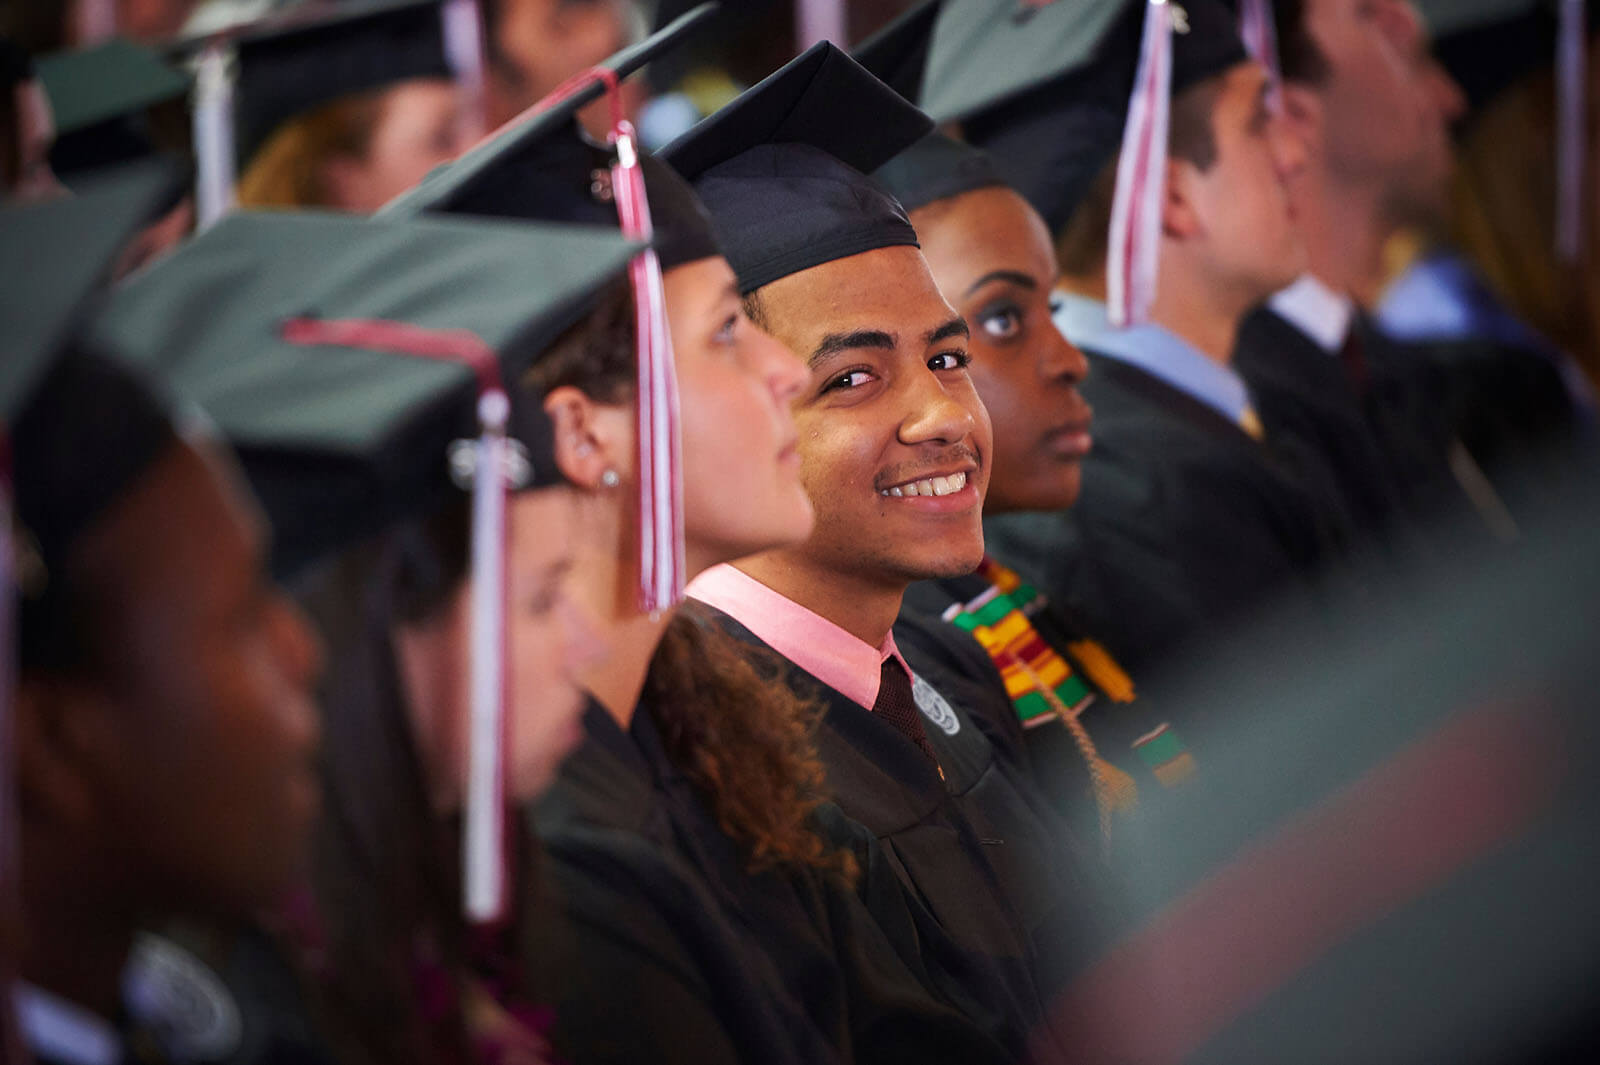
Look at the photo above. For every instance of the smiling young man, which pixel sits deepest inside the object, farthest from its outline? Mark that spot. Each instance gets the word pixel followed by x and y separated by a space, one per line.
pixel 895 452
pixel 1067 708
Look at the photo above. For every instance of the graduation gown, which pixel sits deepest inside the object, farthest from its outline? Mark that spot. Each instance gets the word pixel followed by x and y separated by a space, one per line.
pixel 661 947
pixel 979 848
pixel 1185 522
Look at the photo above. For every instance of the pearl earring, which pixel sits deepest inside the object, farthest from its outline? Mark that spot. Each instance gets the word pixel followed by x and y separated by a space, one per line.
pixel 611 478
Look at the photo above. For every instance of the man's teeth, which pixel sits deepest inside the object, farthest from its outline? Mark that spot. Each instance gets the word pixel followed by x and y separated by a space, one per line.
pixel 930 486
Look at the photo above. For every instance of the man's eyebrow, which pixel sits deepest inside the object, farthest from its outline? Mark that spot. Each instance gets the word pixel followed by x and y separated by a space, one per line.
pixel 1013 277
pixel 834 343
pixel 955 327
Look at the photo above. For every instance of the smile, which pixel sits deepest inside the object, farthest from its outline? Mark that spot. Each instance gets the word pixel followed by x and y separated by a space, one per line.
pixel 928 486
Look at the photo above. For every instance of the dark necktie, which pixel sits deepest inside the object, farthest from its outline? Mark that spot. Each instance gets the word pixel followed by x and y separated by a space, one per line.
pixel 1354 357
pixel 896 706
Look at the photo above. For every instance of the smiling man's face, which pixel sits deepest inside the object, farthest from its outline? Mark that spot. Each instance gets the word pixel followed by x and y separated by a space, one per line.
pixel 894 441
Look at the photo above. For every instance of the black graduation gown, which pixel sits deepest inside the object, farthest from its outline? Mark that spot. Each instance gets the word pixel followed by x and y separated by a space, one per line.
pixel 1184 524
pixel 1312 412
pixel 1047 751
pixel 979 849
pixel 661 947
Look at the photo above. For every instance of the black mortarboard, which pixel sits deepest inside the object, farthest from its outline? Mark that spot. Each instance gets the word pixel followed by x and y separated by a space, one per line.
pixel 1486 45
pixel 294 63
pixel 81 431
pixel 342 438
pixel 1045 90
pixel 937 168
pixel 782 169
pixel 250 79
pixel 542 167
pixel 102 98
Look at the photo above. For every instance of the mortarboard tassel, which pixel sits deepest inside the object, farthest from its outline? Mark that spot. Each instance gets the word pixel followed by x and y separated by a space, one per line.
pixel 1572 79
pixel 213 134
pixel 461 23
pixel 1135 239
pixel 1260 36
pixel 661 559
pixel 489 464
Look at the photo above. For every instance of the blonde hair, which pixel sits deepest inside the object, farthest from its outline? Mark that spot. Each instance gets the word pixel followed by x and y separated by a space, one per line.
pixel 1504 220
pixel 288 171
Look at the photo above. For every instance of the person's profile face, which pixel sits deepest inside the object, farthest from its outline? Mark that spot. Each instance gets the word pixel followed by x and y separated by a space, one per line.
pixel 36 134
pixel 992 257
pixel 742 492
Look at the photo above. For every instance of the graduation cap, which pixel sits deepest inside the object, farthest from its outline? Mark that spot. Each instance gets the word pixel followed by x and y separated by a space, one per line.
pixel 251 79
pixel 102 98
pixel 541 166
pixel 1487 45
pixel 361 369
pixel 782 168
pixel 1054 90
pixel 1391 856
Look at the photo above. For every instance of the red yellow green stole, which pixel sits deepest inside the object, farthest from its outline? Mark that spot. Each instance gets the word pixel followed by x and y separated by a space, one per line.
pixel 1044 686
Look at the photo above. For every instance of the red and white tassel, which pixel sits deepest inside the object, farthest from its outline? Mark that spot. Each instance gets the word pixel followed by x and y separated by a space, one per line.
pixel 1572 81
pixel 1260 36
pixel 661 550
pixel 213 134
pixel 1135 239
pixel 487 462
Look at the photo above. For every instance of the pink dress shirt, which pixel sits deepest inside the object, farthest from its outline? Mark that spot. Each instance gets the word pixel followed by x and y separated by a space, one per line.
pixel 809 640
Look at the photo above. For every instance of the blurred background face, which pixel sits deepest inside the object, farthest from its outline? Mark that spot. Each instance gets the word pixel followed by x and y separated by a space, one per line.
pixel 741 466
pixel 993 259
pixel 1242 199
pixel 210 791
pixel 538 44
pixel 1385 114
pixel 418 125
pixel 549 639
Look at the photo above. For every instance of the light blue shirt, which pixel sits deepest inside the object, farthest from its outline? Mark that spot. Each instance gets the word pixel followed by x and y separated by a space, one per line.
pixel 1157 352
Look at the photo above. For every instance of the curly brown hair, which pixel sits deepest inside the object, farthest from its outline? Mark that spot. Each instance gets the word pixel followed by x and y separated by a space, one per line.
pixel 731 723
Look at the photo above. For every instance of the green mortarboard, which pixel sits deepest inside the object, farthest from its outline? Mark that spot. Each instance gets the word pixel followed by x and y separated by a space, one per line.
pixel 81 430
pixel 340 440
pixel 782 168
pixel 102 98
pixel 1046 89
pixel 94 85
pixel 541 167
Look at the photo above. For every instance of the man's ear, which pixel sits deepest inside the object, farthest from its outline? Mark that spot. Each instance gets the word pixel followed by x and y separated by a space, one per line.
pixel 346 180
pixel 1179 219
pixel 591 438
pixel 60 746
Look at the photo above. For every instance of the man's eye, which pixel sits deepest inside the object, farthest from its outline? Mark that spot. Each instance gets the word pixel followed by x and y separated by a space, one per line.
pixel 1001 323
pixel 950 360
pixel 847 380
pixel 725 333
